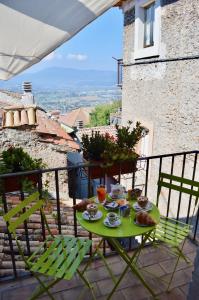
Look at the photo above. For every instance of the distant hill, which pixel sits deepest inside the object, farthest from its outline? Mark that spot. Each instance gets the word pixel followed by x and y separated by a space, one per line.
pixel 57 77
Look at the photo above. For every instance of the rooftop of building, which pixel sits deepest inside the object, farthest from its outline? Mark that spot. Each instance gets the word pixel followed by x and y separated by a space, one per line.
pixel 80 114
pixel 33 118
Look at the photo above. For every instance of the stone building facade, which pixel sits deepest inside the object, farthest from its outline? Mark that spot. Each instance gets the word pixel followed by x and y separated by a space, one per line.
pixel 162 91
pixel 52 155
pixel 161 81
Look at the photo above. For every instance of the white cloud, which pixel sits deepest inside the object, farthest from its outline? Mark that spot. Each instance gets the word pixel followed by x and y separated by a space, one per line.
pixel 53 55
pixel 78 56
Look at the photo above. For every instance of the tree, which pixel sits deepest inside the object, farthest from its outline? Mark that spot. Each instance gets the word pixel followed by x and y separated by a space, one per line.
pixel 101 114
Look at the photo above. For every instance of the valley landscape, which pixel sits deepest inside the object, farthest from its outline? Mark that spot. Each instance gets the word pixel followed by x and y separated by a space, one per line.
pixel 65 89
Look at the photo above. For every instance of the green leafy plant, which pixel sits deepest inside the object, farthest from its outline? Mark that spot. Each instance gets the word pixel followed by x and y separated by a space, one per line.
pixel 110 149
pixel 17 160
pixel 94 145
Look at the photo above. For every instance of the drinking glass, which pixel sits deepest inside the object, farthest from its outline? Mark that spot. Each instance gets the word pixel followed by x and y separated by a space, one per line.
pixel 101 193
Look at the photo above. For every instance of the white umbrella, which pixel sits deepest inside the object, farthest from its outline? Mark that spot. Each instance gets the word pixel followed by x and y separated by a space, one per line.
pixel 31 29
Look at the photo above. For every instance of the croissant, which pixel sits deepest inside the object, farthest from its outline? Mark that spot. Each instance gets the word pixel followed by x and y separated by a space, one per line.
pixel 81 206
pixel 143 218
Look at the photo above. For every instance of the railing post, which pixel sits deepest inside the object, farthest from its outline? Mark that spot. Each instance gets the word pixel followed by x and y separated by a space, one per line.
pixel 58 200
pixel 9 236
pixel 40 195
pixel 169 196
pixel 147 175
pixel 74 199
pixel 25 226
pixel 180 195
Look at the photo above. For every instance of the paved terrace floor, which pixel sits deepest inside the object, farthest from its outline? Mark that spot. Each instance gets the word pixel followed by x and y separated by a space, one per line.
pixel 152 260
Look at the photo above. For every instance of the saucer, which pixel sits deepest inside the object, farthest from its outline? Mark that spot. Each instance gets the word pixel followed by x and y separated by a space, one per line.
pixel 111 205
pixel 148 207
pixel 116 224
pixel 87 217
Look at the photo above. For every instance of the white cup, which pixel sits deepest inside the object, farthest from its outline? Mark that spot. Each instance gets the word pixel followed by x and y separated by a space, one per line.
pixel 112 217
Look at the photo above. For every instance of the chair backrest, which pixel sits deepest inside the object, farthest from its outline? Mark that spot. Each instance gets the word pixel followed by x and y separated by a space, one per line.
pixel 177 183
pixel 21 212
pixel 174 182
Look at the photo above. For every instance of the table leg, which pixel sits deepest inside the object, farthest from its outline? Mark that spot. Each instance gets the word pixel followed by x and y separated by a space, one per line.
pixel 129 260
pixel 97 251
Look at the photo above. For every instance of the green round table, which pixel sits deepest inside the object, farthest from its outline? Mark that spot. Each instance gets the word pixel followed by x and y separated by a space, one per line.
pixel 127 229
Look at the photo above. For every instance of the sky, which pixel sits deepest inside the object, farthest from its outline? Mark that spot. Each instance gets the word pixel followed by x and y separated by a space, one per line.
pixel 92 48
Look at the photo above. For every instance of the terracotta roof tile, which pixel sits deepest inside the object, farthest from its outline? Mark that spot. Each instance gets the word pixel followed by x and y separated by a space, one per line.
pixel 70 118
pixel 51 127
pixel 102 129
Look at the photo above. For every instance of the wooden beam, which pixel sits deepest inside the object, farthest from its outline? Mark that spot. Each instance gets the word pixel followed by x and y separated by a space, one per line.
pixel 119 3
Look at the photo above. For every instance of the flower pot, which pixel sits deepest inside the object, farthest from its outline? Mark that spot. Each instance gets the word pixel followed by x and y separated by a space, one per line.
pixel 14 183
pixel 122 167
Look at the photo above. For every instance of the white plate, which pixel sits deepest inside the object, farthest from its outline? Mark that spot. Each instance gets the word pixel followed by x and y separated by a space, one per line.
pixel 148 207
pixel 116 224
pixel 87 217
pixel 111 205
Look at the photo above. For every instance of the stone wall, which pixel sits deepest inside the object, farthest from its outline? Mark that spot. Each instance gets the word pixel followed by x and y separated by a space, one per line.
pixel 52 155
pixel 164 96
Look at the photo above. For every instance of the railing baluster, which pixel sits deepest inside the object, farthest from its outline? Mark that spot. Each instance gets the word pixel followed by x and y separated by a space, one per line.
pixel 40 195
pixel 25 227
pixel 160 170
pixel 193 178
pixel 9 237
pixel 133 180
pixel 196 226
pixel 147 175
pixel 180 195
pixel 169 196
pixel 58 200
pixel 73 173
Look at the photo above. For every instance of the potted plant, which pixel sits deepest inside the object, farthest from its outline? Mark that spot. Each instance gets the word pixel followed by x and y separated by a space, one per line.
pixel 116 155
pixel 15 160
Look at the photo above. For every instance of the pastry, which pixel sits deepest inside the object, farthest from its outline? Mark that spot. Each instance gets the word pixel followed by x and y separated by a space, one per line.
pixel 143 218
pixel 121 202
pixel 81 206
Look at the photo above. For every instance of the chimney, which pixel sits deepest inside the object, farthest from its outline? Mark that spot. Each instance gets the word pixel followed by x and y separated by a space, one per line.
pixel 27 97
pixel 80 124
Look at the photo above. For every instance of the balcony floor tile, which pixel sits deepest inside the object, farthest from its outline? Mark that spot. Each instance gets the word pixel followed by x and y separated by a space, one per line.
pixel 154 261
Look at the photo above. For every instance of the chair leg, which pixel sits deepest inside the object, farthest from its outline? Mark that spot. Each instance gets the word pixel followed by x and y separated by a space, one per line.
pixel 180 254
pixel 87 283
pixel 43 288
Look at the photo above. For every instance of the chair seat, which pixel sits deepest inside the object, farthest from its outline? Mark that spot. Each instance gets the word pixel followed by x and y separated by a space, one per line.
pixel 171 232
pixel 60 256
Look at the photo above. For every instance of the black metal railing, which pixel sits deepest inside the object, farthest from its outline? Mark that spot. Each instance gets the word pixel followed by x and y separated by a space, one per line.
pixel 119 71
pixel 183 164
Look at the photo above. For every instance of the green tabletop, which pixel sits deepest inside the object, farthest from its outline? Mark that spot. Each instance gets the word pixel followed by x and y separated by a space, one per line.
pixel 126 229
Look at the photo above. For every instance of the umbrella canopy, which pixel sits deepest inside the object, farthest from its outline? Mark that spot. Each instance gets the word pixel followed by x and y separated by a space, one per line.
pixel 30 30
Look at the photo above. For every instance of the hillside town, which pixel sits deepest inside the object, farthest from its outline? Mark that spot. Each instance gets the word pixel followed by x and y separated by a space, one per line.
pixel 99 188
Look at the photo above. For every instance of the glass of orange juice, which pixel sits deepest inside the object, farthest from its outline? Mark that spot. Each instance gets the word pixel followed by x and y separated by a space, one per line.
pixel 101 193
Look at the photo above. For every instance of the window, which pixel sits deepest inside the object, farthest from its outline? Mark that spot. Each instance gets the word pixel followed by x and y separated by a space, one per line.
pixel 147 28
pixel 148 25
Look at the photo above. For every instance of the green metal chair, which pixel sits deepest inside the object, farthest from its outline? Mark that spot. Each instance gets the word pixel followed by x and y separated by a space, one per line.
pixel 58 257
pixel 170 231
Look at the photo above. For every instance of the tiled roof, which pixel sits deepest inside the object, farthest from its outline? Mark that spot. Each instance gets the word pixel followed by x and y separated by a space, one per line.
pixel 50 127
pixel 71 118
pixel 49 130
pixel 102 129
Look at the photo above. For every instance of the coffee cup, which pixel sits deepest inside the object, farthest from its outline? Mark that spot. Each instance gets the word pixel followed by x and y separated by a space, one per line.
pixel 142 201
pixel 92 209
pixel 112 217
